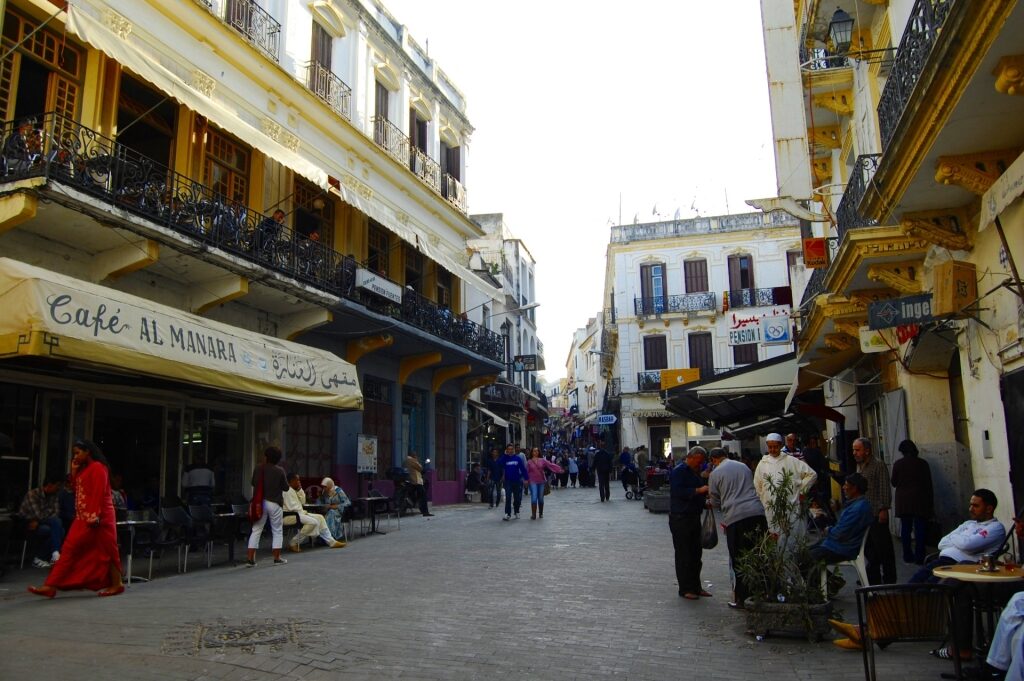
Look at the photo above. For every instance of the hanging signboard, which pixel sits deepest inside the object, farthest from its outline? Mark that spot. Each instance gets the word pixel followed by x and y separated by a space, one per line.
pixel 375 283
pixel 670 378
pixel 815 253
pixel 899 311
pixel 524 363
pixel 776 330
pixel 606 419
pixel 366 451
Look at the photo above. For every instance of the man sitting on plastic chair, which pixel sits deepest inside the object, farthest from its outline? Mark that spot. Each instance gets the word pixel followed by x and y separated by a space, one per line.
pixel 843 541
pixel 313 524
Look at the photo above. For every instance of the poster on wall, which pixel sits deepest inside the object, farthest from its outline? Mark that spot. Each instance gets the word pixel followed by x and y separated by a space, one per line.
pixel 366 453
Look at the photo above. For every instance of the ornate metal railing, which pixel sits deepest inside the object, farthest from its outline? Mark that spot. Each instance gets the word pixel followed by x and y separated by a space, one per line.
pixel 425 168
pixel 819 59
pixel 255 25
pixel 757 297
pixel 323 83
pixel 848 216
pixel 648 381
pixel 815 286
pixel 686 302
pixel 453 190
pixel 922 30
pixel 61 150
pixel 391 139
pixel 615 387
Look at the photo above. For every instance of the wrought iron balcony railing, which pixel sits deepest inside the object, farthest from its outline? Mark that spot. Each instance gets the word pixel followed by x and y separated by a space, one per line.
pixel 61 150
pixel 255 25
pixel 819 59
pixel 815 286
pixel 922 30
pixel 453 190
pixel 391 139
pixel 686 302
pixel 759 297
pixel 425 168
pixel 848 216
pixel 648 381
pixel 323 83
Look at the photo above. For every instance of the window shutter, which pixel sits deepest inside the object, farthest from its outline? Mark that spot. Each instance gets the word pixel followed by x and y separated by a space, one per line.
pixel 701 354
pixel 696 276
pixel 655 353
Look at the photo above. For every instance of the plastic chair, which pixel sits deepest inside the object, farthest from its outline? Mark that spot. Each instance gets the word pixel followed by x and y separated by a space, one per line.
pixel 203 529
pixel 859 564
pixel 889 613
pixel 177 531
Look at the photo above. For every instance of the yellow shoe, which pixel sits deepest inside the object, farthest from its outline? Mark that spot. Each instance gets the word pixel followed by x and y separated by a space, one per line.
pixel 339 545
pixel 847 644
pixel 850 631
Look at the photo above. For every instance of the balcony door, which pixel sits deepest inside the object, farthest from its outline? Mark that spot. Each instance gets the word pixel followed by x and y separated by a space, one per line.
pixel 695 276
pixel 741 272
pixel 652 287
pixel 702 354
pixel 655 353
pixel 321 48
pixel 146 121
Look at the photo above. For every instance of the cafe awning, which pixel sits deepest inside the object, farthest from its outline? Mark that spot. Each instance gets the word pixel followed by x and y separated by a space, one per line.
pixel 54 316
pixel 812 374
pixel 498 421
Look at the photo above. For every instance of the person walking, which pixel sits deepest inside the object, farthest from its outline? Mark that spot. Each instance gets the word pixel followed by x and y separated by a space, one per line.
pixel 731 492
pixel 515 475
pixel 412 462
pixel 535 470
pixel 603 468
pixel 688 498
pixel 497 475
pixel 574 469
pixel 625 465
pixel 275 482
pixel 89 557
pixel 912 480
pixel 878 552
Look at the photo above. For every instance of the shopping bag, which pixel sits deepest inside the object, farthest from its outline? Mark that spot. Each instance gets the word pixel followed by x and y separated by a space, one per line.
pixel 547 488
pixel 256 505
pixel 708 531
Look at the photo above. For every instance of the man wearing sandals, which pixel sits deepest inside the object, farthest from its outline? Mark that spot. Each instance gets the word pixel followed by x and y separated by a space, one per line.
pixel 688 495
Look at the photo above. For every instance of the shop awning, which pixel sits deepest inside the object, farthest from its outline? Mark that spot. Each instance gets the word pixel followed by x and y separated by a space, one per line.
pixel 1004 191
pixel 739 396
pixel 46 314
pixel 138 53
pixel 812 374
pixel 498 421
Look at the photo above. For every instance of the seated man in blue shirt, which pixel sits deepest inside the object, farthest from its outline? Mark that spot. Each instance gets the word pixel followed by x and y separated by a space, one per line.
pixel 844 539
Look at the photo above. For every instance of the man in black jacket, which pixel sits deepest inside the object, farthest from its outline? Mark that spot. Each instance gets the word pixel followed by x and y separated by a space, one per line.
pixel 603 468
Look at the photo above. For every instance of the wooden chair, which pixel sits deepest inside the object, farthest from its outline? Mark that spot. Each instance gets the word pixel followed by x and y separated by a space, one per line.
pixel 889 613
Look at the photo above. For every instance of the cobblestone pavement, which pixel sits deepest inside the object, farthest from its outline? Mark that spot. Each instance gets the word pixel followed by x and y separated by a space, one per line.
pixel 586 593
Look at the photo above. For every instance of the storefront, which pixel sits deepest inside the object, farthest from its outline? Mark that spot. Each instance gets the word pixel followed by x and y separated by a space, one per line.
pixel 157 388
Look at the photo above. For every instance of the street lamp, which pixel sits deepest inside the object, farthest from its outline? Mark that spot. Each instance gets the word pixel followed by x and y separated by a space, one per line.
pixel 840 30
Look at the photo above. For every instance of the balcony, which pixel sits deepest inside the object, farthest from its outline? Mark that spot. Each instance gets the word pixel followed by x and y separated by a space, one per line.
pixel 391 139
pixel 257 26
pixel 331 89
pixel 454 192
pixel 648 381
pixel 425 168
pixel 848 216
pixel 396 143
pixel 819 59
pixel 923 29
pixel 687 302
pixel 757 297
pixel 62 151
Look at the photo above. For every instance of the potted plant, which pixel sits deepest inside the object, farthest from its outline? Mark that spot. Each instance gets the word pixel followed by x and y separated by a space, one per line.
pixel 785 596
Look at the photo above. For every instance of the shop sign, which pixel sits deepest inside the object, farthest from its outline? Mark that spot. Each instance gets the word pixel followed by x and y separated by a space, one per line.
pixel 671 378
pixel 524 363
pixel 871 341
pixel 815 253
pixel 500 393
pixel 606 419
pixel 899 311
pixel 366 449
pixel 375 283
pixel 745 330
pixel 776 330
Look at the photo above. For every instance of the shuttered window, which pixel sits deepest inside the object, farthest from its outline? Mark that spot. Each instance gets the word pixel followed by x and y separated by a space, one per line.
pixel 744 354
pixel 741 272
pixel 695 276
pixel 701 354
pixel 655 353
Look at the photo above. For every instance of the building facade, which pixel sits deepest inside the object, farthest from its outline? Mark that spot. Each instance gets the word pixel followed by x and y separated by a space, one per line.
pixel 289 178
pixel 899 128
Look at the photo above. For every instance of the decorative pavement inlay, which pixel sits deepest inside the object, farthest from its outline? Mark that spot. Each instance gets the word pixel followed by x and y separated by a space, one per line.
pixel 247 636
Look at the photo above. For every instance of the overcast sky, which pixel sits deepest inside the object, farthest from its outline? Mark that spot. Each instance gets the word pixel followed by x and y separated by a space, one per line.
pixel 577 103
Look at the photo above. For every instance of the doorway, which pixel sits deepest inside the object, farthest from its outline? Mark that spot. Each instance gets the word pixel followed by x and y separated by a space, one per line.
pixel 1012 389
pixel 661 439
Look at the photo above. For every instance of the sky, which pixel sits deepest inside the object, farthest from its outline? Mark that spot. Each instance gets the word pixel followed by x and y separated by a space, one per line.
pixel 590 114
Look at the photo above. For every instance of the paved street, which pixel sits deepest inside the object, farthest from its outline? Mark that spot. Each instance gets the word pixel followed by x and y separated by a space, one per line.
pixel 586 593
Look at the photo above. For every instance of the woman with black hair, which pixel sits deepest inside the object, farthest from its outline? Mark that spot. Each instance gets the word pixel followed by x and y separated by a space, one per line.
pixel 89 558
pixel 912 479
pixel 274 481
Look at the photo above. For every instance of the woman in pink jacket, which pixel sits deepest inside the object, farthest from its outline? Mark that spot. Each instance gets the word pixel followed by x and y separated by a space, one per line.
pixel 535 468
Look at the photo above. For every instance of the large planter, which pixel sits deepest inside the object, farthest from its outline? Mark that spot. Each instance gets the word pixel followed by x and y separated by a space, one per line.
pixel 657 502
pixel 788 619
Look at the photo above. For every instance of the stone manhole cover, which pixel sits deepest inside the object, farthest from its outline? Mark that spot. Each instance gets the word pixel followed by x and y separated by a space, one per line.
pixel 223 636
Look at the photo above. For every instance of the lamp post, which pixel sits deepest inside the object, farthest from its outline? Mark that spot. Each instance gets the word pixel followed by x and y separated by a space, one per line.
pixel 840 30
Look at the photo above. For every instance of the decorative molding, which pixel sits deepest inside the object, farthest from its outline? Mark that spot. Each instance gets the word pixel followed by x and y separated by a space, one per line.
pixel 947 228
pixel 202 83
pixel 362 189
pixel 121 27
pixel 839 102
pixel 891 246
pixel 822 168
pixel 276 132
pixel 902 276
pixel 328 17
pixel 1009 73
pixel 829 137
pixel 850 327
pixel 974 172
pixel 865 297
pixel 402 216
pixel 840 341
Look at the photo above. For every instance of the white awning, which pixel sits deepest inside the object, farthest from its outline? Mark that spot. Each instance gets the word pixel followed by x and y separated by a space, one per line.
pixel 1002 193
pixel 498 421
pixel 51 315
pixel 137 52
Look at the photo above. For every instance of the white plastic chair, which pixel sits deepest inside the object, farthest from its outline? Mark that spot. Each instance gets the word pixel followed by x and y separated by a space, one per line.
pixel 859 564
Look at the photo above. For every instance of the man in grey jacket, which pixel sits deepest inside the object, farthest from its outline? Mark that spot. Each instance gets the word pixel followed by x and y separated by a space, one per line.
pixel 732 495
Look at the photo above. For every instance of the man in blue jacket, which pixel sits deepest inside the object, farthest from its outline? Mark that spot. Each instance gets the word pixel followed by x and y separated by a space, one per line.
pixel 514 473
pixel 844 539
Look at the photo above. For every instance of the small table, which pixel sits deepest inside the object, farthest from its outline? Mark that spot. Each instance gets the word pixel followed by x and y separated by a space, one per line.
pixel 369 503
pixel 132 525
pixel 973 574
pixel 234 521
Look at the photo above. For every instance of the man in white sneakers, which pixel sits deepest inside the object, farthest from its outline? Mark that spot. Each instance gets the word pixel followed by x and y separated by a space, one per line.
pixel 313 524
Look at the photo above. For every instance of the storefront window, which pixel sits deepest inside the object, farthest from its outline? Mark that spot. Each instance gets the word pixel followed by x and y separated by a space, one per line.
pixel 445 428
pixel 309 442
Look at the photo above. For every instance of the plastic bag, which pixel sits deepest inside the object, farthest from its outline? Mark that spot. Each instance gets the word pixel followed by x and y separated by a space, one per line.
pixel 708 530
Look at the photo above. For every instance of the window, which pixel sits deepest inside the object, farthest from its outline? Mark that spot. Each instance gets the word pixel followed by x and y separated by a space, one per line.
pixel 695 276
pixel 702 355
pixel 377 248
pixel 309 441
pixel 444 288
pixel 414 265
pixel 741 272
pixel 309 219
pixel 655 353
pixel 378 420
pixel 380 101
pixel 451 161
pixel 445 430
pixel 652 288
pixel 793 260
pixel 321 47
pixel 744 354
pixel 417 131
pixel 227 167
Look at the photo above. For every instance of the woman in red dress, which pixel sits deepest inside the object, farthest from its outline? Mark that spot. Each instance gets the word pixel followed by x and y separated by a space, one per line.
pixel 89 558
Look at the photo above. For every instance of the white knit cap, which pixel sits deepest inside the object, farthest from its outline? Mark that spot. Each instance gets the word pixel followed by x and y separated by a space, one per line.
pixel 774 437
pixel 327 482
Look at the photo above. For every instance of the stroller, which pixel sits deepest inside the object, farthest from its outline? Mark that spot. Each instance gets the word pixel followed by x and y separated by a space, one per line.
pixel 635 485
